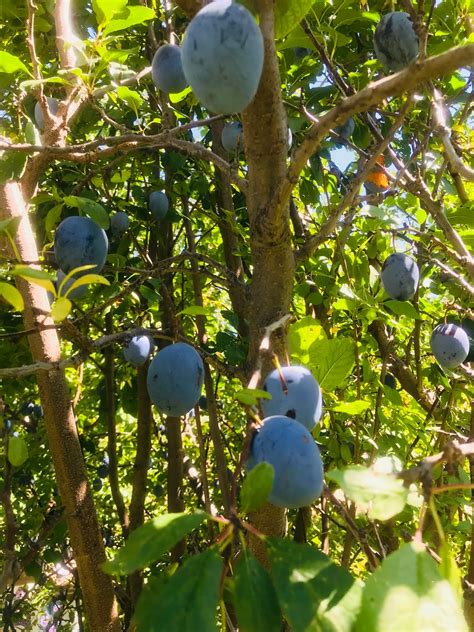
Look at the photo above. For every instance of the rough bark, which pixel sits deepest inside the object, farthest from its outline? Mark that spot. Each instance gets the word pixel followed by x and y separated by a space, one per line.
pixel 99 601
pixel 265 140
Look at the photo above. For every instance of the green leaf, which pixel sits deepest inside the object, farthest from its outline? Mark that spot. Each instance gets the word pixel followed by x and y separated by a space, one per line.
pixel 87 279
pixel 106 9
pixel 331 361
pixel 403 308
pixel 196 310
pixel 381 495
pixel 12 296
pixel 10 225
pixel 356 407
pixel 152 540
pixel 301 335
pixel 462 215
pixel 10 64
pixel 407 592
pixel 92 209
pixel 132 16
pixel 17 451
pixel 60 309
pixel 52 218
pixel 131 97
pixel 26 272
pixel 450 571
pixel 187 602
pixel 256 487
pixel 314 593
pixel 288 15
pixel 11 165
pixel 251 396
pixel 256 603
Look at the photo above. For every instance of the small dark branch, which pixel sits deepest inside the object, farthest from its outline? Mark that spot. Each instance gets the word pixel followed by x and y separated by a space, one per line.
pixel 426 399
pixel 10 563
pixel 140 469
pixel 452 453
pixel 338 81
pixel 216 438
pixel 175 476
pixel 109 372
pixel 328 227
pixel 35 62
pixel 357 533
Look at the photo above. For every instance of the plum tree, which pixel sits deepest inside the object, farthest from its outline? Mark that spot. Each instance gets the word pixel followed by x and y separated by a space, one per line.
pixel 119 223
pixel 138 350
pixel 400 276
pixel 159 204
pixel 222 55
pixel 289 447
pixel 79 241
pixel 232 137
pixel 167 69
pixel 450 345
pixel 53 105
pixel 295 393
pixel 175 378
pixel 74 295
pixel 395 40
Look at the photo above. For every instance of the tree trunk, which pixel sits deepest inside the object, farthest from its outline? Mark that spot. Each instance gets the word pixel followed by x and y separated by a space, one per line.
pixel 63 439
pixel 266 147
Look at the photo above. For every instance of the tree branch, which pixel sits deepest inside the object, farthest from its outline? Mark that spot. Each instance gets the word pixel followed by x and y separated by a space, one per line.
pixel 375 92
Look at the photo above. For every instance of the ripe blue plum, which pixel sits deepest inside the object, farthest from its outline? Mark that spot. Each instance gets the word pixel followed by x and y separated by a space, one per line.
pixel 395 41
pixel 119 223
pixel 79 241
pixel 346 129
pixel 167 69
pixel 400 276
pixel 53 105
pixel 232 137
pixel 175 378
pixel 138 350
pixel 159 204
pixel 468 325
pixel 295 457
pixel 450 345
pixel 299 397
pixel 222 55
